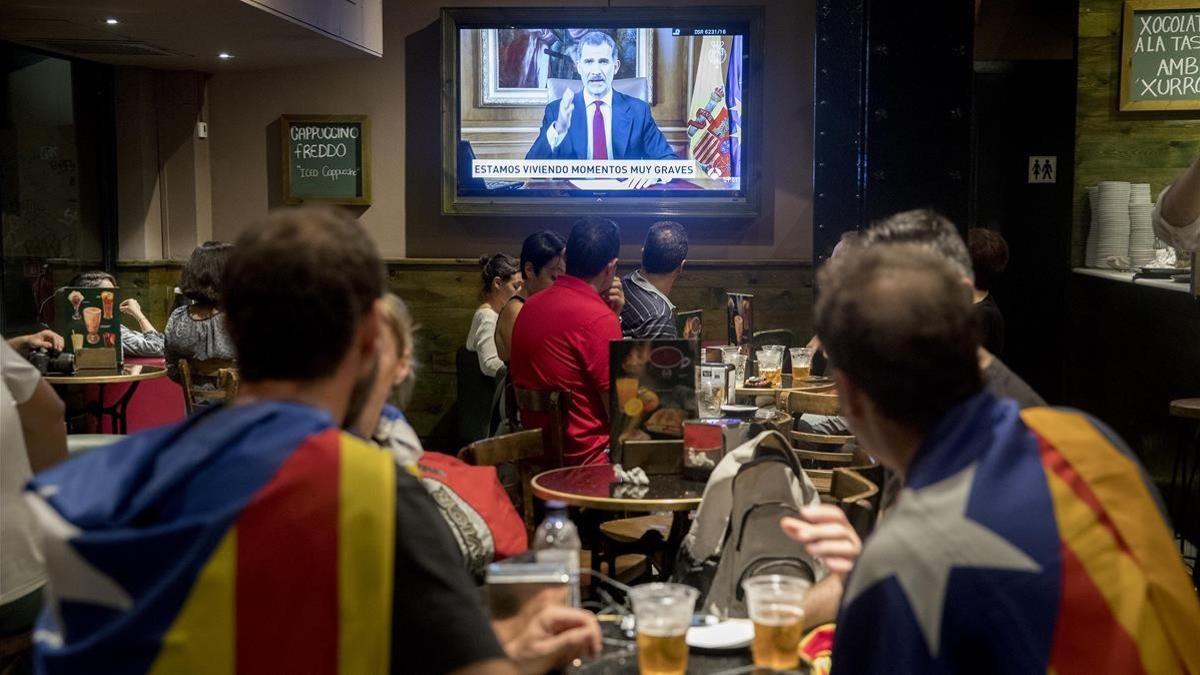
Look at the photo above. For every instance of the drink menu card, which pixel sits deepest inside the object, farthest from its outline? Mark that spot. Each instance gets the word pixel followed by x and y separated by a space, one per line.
pixel 653 389
pixel 94 323
pixel 739 315
pixel 690 325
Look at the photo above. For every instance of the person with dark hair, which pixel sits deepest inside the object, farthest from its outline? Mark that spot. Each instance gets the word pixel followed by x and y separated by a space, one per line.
pixel 989 258
pixel 649 312
pixel 1003 543
pixel 598 122
pixel 501 281
pixel 329 552
pixel 145 342
pixel 196 331
pixel 935 232
pixel 541 263
pixel 560 340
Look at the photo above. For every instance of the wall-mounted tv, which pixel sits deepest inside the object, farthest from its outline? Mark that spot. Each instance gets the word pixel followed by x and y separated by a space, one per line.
pixel 629 110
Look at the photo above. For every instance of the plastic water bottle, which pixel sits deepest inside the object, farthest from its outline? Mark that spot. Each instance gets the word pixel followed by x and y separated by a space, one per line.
pixel 557 540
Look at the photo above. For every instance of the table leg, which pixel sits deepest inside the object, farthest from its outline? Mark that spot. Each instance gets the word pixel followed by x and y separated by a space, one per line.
pixel 119 409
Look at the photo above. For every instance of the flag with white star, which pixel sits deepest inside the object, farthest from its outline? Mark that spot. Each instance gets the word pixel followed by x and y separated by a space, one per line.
pixel 1023 542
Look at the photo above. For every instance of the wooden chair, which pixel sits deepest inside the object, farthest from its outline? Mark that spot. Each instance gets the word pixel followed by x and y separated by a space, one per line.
pixel 522 448
pixel 224 370
pixel 807 401
pixel 641 535
pixel 554 404
pixel 857 497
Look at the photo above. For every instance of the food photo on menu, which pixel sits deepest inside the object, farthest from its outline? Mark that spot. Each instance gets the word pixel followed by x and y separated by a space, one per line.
pixel 653 389
pixel 690 324
pixel 739 315
pixel 93 321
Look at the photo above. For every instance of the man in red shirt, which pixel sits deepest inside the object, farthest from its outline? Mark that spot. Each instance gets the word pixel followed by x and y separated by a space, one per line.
pixel 560 340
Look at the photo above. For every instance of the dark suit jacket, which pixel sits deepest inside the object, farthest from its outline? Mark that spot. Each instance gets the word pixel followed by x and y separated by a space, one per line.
pixel 635 134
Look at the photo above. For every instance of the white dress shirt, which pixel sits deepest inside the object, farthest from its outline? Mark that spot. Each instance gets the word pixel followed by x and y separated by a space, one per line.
pixel 553 138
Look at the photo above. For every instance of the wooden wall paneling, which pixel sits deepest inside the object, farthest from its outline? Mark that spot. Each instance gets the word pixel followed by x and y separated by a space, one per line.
pixel 1142 147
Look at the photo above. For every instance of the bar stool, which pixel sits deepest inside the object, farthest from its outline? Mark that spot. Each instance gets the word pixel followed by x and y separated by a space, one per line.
pixel 1185 481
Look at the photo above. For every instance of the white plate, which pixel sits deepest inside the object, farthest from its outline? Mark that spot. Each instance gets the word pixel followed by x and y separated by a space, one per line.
pixel 728 634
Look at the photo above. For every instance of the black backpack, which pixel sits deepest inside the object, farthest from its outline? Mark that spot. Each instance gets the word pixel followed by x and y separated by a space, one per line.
pixel 764 491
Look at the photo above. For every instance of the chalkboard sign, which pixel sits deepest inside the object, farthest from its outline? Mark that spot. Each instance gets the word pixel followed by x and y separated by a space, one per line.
pixel 1160 55
pixel 326 158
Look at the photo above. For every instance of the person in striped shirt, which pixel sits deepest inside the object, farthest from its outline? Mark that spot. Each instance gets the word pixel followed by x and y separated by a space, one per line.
pixel 648 312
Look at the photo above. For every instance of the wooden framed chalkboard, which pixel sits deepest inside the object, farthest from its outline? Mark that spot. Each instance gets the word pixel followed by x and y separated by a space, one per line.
pixel 1160 55
pixel 326 159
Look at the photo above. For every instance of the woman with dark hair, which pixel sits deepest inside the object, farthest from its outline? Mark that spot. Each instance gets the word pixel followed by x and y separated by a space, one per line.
pixel 541 263
pixel 501 281
pixel 145 342
pixel 196 331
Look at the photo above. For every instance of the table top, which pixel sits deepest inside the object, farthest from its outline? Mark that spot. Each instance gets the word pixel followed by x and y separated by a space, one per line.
pixel 595 487
pixel 130 373
pixel 619 657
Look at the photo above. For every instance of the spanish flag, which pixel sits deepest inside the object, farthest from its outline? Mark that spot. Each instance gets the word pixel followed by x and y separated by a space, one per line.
pixel 176 551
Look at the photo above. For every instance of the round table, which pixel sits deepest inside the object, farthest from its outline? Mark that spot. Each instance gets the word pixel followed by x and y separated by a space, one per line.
pixel 595 487
pixel 131 374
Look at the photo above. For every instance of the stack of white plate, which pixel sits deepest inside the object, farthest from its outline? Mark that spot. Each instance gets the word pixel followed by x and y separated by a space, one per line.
pixel 1112 224
pixel 1141 227
pixel 1093 230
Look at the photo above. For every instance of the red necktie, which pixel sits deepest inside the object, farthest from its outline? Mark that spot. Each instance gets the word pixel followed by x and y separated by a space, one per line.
pixel 599 140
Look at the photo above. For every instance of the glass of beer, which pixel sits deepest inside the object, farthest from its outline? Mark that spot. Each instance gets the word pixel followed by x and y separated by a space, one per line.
pixel 664 612
pixel 801 364
pixel 775 605
pixel 770 366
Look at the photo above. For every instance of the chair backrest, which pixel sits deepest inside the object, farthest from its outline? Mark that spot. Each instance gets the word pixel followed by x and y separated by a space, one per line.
pixel 813 403
pixel 637 87
pixel 856 495
pixel 194 375
pixel 554 404
pixel 476 393
pixel 523 448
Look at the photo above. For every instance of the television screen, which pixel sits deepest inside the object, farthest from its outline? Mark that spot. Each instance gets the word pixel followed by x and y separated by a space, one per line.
pixel 607 107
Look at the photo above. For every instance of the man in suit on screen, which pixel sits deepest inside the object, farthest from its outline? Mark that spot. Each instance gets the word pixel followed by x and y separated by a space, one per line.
pixel 598 122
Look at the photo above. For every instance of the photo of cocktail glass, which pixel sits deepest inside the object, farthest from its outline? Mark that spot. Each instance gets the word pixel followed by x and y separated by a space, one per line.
pixel 106 301
pixel 775 605
pixel 76 341
pixel 770 366
pixel 91 321
pixel 801 363
pixel 664 612
pixel 76 299
pixel 110 339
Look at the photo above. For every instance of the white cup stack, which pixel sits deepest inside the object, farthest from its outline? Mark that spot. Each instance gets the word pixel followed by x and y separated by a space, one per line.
pixel 1141 227
pixel 1094 228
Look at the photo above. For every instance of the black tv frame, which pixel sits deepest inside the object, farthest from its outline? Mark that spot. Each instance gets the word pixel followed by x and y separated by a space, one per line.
pixel 745 204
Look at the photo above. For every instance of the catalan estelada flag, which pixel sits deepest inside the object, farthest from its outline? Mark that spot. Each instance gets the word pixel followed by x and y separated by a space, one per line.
pixel 1023 542
pixel 253 539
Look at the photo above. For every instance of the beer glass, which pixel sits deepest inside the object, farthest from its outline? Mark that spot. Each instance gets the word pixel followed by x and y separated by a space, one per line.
pixel 775 605
pixel 664 612
pixel 801 364
pixel 770 366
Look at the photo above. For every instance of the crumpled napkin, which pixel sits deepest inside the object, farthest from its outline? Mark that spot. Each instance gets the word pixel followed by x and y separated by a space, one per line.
pixel 634 476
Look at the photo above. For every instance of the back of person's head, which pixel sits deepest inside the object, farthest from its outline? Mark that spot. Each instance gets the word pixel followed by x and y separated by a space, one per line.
pixel 395 313
pixel 492 267
pixel 989 256
pixel 200 280
pixel 296 288
pixel 92 279
pixel 539 249
pixel 592 244
pixel 666 247
pixel 897 320
pixel 927 228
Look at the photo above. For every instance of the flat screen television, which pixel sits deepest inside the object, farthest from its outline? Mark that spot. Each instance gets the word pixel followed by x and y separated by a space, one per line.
pixel 607 110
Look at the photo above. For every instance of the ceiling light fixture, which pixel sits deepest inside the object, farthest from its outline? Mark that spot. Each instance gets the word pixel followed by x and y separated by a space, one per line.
pixel 225 55
pixel 111 21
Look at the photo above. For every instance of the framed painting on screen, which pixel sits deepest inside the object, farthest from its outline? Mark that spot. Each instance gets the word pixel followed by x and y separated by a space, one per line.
pixel 516 64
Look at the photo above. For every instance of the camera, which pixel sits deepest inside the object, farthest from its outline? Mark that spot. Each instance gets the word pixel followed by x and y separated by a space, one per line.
pixel 52 361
